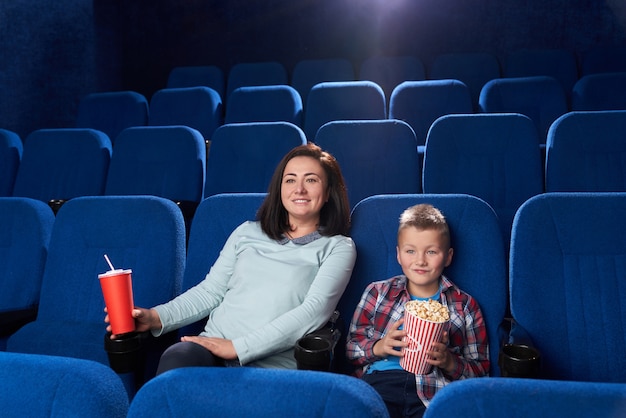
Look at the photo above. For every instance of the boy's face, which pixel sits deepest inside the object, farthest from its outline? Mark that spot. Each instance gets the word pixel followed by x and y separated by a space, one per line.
pixel 422 254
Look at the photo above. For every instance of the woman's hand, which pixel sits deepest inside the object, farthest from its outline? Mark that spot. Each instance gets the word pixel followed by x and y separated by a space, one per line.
pixel 145 320
pixel 391 343
pixel 220 347
pixel 440 356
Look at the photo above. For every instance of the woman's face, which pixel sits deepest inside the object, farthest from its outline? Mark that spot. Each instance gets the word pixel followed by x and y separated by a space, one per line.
pixel 304 190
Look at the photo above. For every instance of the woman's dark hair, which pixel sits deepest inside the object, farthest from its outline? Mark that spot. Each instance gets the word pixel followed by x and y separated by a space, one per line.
pixel 335 214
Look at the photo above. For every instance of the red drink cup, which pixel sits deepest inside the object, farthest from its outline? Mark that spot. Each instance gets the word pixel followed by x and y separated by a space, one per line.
pixel 420 336
pixel 117 289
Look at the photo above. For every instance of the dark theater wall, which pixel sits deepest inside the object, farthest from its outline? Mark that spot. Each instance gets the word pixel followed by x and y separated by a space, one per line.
pixel 52 53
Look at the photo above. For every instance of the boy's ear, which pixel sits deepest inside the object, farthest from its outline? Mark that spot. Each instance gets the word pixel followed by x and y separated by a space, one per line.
pixel 398 255
pixel 449 258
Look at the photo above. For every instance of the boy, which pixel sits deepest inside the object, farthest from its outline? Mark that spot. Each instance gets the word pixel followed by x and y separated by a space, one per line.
pixel 375 337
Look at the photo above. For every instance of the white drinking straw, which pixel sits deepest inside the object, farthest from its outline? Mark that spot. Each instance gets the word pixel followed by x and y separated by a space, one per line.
pixel 106 257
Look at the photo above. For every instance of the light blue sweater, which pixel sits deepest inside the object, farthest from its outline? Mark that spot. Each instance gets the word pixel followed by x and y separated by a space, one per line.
pixel 264 295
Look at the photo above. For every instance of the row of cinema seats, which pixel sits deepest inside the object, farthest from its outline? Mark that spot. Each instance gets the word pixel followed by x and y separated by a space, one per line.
pixel 566 262
pixel 495 157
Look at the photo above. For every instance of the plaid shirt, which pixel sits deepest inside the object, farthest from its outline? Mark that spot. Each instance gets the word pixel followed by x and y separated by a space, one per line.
pixel 382 304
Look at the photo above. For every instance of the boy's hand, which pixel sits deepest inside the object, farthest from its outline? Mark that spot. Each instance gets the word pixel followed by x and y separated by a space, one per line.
pixel 391 343
pixel 440 356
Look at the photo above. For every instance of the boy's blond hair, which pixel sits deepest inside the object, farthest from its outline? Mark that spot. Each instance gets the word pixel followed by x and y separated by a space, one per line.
pixel 425 217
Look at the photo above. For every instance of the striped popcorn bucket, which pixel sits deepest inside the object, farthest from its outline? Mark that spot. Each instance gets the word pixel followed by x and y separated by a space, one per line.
pixel 420 335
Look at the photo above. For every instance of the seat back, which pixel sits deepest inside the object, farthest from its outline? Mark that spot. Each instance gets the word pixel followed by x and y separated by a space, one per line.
pixel 494 157
pixel 517 398
pixel 585 152
pixel 389 71
pixel 38 386
pixel 474 232
pixel 10 157
pixel 307 73
pixel 347 100
pixel 264 104
pixel 603 91
pixel 112 112
pixel 210 76
pixel 63 164
pixel 376 156
pixel 541 98
pixel 142 233
pixel 603 59
pixel 215 219
pixel 474 69
pixel 567 268
pixel 165 161
pixel 247 74
pixel 244 156
pixel 199 108
pixel 249 391
pixel 420 103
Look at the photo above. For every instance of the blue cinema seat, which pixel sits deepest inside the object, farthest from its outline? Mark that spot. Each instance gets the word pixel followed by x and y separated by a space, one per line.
pixel 216 217
pixel 210 76
pixel 25 228
pixel 263 73
pixel 474 69
pixel 495 157
pixel 478 266
pixel 256 392
pixel 603 91
pixel 264 104
pixel 198 107
pixel 61 164
pixel 244 156
pixel 11 149
pixel 343 100
pixel 603 59
pixel 309 72
pixel 389 71
pixel 376 156
pixel 585 152
pixel 420 103
pixel 142 233
pixel 112 112
pixel 567 269
pixel 521 398
pixel 48 386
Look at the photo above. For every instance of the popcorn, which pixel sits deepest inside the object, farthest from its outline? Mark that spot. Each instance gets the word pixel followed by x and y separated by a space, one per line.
pixel 429 310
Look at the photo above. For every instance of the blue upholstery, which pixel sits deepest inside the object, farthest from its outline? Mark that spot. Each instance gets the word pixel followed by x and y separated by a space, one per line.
pixel 478 266
pixel 210 76
pixel 522 398
pixel 309 72
pixel 389 71
pixel 25 228
pixel 142 233
pixel 199 108
pixel 243 156
pixel 255 392
pixel 10 156
pixel 376 156
pixel 420 103
pixel 247 74
pixel 264 104
pixel 63 164
pixel 495 157
pixel 604 91
pixel 603 59
pixel 472 68
pixel 216 217
pixel 567 269
pixel 165 161
pixel 557 63
pixel 112 112
pixel 541 98
pixel 48 386
pixel 585 152
pixel 342 100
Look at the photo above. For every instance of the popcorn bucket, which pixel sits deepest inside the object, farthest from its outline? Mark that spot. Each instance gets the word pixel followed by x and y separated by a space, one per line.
pixel 420 336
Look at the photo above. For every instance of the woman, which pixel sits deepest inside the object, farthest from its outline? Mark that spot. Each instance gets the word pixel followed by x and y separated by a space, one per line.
pixel 276 279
